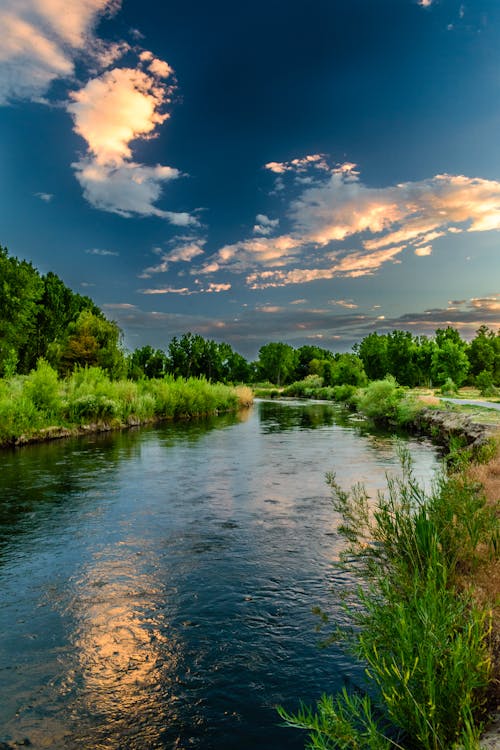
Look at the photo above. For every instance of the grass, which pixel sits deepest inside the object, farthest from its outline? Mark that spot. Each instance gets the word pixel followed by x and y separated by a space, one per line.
pixel 35 406
pixel 423 636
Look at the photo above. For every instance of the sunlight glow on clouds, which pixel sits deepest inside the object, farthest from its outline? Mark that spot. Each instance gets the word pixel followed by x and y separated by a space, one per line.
pixel 111 111
pixel 40 40
pixel 184 252
pixel 337 208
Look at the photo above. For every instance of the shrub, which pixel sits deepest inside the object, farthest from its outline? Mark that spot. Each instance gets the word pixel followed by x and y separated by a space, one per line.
pixel 380 400
pixel 449 388
pixel 43 388
pixel 423 642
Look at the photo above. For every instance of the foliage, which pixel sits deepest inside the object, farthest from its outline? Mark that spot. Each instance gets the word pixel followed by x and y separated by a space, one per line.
pixel 423 642
pixel 194 356
pixel 88 395
pixel 380 400
pixel 276 362
pixel 449 361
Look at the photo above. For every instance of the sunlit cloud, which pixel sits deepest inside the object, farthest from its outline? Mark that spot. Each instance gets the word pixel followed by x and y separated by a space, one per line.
pixel 298 165
pixel 41 40
pixel 211 288
pixel 264 225
pixel 326 217
pixel 184 252
pixel 109 113
pixel 45 197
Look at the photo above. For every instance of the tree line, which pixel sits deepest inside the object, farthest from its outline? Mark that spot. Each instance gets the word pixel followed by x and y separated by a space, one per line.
pixel 41 317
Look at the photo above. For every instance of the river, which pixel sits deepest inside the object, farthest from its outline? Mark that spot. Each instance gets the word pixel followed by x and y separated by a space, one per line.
pixel 157 585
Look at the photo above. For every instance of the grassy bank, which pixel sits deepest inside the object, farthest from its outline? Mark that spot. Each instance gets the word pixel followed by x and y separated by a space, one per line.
pixel 419 625
pixel 41 405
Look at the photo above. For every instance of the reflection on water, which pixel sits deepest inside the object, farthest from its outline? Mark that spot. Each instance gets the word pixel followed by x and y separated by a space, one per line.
pixel 157 584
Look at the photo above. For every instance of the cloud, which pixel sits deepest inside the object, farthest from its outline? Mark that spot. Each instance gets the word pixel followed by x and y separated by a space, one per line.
pixel 264 225
pixel 298 165
pixel 46 197
pixel 109 113
pixel 97 251
pixel 184 252
pixel 328 216
pixel 40 41
pixel 211 288
pixel 347 303
pixel 116 108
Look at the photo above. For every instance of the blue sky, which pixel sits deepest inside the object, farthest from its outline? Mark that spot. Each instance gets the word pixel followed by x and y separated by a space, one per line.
pixel 257 172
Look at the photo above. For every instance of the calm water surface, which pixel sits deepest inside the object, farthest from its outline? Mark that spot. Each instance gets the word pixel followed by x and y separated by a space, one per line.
pixel 156 585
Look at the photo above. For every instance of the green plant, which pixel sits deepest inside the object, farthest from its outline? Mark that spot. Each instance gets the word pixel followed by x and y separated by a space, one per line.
pixel 424 643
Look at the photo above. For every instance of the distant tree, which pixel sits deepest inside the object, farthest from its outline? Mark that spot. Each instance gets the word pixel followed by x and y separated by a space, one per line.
pixel 425 348
pixel 372 351
pixel 402 357
pixel 277 362
pixel 449 361
pixel 147 362
pixel 305 355
pixel 484 354
pixel 347 370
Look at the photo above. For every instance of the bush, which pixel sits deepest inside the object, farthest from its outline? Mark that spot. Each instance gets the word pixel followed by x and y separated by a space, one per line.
pixel 43 388
pixel 380 400
pixel 449 388
pixel 424 642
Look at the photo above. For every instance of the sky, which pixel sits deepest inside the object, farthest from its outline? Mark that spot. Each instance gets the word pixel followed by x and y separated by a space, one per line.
pixel 255 172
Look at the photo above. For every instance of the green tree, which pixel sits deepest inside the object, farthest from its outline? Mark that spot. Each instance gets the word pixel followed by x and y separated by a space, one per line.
pixel 402 357
pixel 449 361
pixel 147 362
pixel 277 362
pixel 373 353
pixel 20 290
pixel 484 353
pixel 91 341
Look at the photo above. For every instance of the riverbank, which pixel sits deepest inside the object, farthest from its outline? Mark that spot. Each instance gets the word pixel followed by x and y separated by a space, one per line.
pixel 424 620
pixel 40 406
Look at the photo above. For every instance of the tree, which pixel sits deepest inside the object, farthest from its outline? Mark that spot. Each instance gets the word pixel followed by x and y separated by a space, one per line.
pixel 484 353
pixel 401 357
pixel 147 362
pixel 20 290
pixel 373 353
pixel 449 361
pixel 91 341
pixel 276 362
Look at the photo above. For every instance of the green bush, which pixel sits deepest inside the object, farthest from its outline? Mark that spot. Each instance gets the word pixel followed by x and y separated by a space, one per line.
pixel 380 400
pixel 43 388
pixel 423 642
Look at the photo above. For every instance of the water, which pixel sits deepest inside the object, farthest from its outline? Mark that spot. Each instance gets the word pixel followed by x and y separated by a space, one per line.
pixel 157 585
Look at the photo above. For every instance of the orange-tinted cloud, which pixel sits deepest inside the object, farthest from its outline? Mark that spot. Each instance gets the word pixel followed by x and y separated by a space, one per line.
pixel 40 39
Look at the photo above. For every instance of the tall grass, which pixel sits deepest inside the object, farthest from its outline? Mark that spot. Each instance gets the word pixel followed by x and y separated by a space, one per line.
pixel 422 640
pixel 31 403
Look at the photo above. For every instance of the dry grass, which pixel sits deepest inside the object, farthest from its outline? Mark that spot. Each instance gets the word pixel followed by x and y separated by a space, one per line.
pixel 484 581
pixel 245 395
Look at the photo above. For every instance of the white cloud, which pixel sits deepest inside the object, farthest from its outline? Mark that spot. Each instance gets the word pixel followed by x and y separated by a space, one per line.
pixel 110 112
pixel 127 190
pixel 46 197
pixel 317 161
pixel 184 252
pixel 40 40
pixel 325 217
pixel 264 225
pixel 98 251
